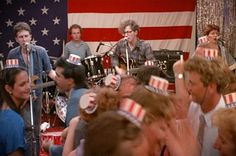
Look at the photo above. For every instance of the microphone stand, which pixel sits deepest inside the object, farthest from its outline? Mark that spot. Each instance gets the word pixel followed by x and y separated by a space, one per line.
pixel 32 92
pixel 127 57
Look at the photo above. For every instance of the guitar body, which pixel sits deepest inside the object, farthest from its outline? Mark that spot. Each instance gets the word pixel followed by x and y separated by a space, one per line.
pixel 123 63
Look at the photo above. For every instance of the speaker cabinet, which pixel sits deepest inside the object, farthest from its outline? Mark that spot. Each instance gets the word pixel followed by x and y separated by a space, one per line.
pixel 165 60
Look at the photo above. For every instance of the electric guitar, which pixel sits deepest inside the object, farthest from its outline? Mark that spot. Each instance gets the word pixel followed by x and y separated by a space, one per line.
pixel 41 85
pixel 132 65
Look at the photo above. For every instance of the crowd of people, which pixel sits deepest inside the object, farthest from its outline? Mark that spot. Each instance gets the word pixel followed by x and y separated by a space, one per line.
pixel 126 114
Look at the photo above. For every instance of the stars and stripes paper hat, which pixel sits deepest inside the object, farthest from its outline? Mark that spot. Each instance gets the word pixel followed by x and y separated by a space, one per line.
pixel 12 63
pixel 210 53
pixel 202 39
pixel 113 81
pixel 87 102
pixel 149 63
pixel 132 111
pixel 74 59
pixel 158 85
pixel 230 100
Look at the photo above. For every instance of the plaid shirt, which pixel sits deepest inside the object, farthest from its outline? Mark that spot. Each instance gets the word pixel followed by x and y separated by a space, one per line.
pixel 141 52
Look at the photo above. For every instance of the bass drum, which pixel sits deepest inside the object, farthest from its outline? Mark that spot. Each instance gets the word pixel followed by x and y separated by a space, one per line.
pixel 61 105
pixel 94 68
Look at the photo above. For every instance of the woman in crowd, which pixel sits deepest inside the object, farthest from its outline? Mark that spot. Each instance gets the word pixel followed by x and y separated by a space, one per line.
pixel 14 92
pixel 225 120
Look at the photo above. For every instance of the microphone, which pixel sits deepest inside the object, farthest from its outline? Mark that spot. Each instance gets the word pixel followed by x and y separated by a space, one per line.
pixel 221 41
pixel 99 45
pixel 28 46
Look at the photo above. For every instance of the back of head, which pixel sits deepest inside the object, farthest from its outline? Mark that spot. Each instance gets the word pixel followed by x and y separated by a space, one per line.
pixel 144 73
pixel 210 71
pixel 76 72
pixel 21 26
pixel 156 106
pixel 106 134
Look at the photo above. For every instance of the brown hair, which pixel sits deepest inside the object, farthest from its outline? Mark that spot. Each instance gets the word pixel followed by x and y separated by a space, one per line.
pixel 106 134
pixel 21 26
pixel 156 106
pixel 75 26
pixel 225 119
pixel 133 25
pixel 209 28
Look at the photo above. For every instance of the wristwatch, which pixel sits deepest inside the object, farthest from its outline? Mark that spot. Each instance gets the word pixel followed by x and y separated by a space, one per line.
pixel 179 76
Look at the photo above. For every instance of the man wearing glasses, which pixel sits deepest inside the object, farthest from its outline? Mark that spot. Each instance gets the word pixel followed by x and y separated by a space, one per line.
pixel 136 50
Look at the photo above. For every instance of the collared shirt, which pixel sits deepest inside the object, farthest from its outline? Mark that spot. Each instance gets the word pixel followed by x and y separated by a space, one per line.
pixel 41 62
pixel 210 132
pixel 82 49
pixel 141 52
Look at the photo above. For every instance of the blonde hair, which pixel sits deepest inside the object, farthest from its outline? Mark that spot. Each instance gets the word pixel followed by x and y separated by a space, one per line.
pixel 225 120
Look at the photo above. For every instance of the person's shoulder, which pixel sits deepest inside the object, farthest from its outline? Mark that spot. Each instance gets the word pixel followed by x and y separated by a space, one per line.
pixel 14 50
pixel 203 45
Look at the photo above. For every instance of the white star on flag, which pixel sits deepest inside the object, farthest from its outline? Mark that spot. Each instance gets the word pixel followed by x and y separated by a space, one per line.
pixel 56 0
pixel 9 1
pixel 9 23
pixel 56 41
pixel 21 12
pixel 33 21
pixel 33 1
pixel 33 41
pixel 10 44
pixel 56 20
pixel 45 10
pixel 44 32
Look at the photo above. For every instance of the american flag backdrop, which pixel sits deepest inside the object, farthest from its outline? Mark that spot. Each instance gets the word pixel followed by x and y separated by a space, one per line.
pixel 47 18
pixel 166 24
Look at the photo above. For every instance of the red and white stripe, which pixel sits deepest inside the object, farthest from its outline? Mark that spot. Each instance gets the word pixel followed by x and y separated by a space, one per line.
pixel 158 83
pixel 211 53
pixel 12 63
pixel 164 24
pixel 149 63
pixel 74 59
pixel 230 98
pixel 202 39
pixel 133 108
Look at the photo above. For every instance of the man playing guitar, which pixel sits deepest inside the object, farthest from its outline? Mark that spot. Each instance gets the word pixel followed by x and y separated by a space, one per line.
pixel 138 51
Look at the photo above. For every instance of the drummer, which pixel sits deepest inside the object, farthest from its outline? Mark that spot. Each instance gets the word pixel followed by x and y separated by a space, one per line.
pixel 76 46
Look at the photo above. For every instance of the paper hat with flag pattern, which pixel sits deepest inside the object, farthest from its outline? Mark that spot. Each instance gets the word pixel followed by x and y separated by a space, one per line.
pixel 11 63
pixel 149 63
pixel 113 81
pixel 132 111
pixel 74 59
pixel 230 100
pixel 158 85
pixel 210 53
pixel 87 102
pixel 202 39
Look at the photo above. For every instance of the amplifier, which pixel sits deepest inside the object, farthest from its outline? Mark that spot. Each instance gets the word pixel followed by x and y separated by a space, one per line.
pixel 165 60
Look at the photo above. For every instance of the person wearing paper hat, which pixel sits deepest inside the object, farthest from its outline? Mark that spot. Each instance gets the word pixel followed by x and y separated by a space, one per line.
pixel 164 133
pixel 215 43
pixel 92 104
pixel 14 93
pixel 202 96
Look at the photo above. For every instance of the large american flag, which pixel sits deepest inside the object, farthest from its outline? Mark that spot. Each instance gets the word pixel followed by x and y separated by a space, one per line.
pixel 166 24
pixel 47 18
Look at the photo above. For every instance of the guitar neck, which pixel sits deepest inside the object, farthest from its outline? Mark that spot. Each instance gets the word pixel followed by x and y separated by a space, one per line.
pixel 44 85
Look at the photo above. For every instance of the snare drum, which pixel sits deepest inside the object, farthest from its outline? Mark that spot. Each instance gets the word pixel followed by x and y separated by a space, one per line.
pixel 94 68
pixel 61 106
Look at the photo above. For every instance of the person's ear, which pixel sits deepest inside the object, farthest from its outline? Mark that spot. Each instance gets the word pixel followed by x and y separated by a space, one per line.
pixel 8 89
